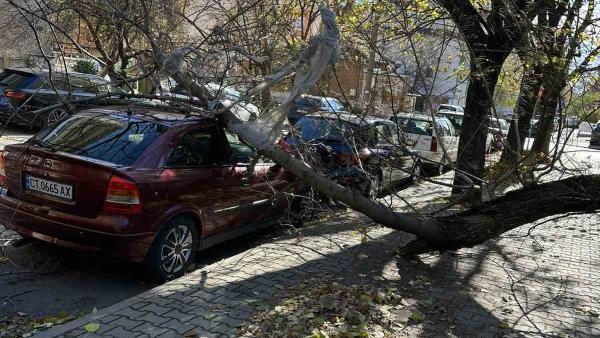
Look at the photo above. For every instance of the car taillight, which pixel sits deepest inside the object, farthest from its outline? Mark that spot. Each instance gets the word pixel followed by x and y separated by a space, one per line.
pixel 2 168
pixel 433 144
pixel 122 197
pixel 17 96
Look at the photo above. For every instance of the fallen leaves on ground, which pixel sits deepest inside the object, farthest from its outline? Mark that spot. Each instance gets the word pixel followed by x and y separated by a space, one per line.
pixel 326 309
pixel 23 325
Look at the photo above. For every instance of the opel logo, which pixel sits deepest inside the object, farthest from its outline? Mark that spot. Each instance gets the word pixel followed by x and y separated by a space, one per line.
pixel 48 164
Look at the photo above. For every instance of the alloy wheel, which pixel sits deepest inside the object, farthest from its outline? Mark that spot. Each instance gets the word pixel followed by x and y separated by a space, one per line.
pixel 55 115
pixel 176 249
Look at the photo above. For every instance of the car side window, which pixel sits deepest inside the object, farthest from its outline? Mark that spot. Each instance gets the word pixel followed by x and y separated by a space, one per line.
pixel 451 128
pixel 241 152
pixel 197 148
pixel 443 128
pixel 384 134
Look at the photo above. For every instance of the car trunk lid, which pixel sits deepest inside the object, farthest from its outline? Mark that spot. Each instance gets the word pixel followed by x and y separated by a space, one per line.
pixel 59 181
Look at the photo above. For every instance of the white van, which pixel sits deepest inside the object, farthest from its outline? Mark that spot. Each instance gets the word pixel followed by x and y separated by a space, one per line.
pixel 425 140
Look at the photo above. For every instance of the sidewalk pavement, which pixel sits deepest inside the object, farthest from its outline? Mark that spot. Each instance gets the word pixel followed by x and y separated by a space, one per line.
pixel 543 285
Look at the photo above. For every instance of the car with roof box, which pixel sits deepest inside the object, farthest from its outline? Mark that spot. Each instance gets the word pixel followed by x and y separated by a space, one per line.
pixel 146 185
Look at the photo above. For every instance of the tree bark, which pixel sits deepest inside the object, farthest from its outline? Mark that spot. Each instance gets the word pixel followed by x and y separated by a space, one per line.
pixel 516 208
pixel 549 103
pixel 472 143
pixel 528 95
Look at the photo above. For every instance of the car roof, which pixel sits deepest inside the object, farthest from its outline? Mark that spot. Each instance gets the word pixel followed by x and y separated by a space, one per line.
pixel 347 117
pixel 414 116
pixel 166 116
pixel 318 97
pixel 450 112
pixel 46 72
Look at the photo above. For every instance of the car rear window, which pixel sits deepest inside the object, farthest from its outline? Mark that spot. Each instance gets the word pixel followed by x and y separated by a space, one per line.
pixel 415 126
pixel 321 129
pixel 112 138
pixel 16 80
pixel 332 104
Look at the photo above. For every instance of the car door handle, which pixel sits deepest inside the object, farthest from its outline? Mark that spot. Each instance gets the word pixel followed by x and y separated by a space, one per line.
pixel 245 181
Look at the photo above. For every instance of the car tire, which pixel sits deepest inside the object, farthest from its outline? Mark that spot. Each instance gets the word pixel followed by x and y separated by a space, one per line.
pixel 54 116
pixel 173 250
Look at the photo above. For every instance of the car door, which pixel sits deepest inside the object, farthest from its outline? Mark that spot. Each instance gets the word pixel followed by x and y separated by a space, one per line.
pixel 261 182
pixel 199 178
pixel 395 163
pixel 452 139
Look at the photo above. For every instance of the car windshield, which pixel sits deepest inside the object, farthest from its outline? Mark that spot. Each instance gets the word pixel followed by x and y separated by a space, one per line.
pixel 331 104
pixel 414 126
pixel 456 120
pixel 313 128
pixel 112 138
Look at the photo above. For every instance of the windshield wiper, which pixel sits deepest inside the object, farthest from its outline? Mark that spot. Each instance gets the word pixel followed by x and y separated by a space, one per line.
pixel 43 144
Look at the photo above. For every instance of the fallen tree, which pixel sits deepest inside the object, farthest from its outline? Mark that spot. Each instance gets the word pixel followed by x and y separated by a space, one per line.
pixel 450 232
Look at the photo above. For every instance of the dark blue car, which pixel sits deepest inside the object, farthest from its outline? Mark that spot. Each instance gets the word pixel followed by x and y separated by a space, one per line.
pixel 364 154
pixel 23 91
pixel 308 104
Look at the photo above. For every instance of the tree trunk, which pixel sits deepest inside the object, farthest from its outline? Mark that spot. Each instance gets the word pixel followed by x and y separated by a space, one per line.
pixel 472 143
pixel 549 103
pixel 516 208
pixel 528 95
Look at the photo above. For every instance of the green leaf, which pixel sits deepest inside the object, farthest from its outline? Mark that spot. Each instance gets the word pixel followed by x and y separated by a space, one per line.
pixel 417 316
pixel 504 324
pixel 91 327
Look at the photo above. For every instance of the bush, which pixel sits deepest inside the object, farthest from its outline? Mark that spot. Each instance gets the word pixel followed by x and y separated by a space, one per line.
pixel 85 67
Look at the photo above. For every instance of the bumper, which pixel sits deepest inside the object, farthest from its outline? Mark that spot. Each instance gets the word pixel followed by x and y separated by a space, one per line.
pixel 78 233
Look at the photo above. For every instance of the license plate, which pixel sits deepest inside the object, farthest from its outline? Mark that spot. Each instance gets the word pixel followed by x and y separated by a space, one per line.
pixel 49 187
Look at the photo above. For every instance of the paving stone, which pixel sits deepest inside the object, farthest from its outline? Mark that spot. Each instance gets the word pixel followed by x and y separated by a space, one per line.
pixel 177 326
pixel 215 299
pixel 151 329
pixel 120 332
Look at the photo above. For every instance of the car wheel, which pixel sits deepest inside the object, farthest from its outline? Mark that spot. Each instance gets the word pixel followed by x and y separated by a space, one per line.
pixel 173 250
pixel 55 116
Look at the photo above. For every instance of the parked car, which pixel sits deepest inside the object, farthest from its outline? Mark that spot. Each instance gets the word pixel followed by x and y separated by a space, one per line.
pixel 424 139
pixel 595 137
pixel 533 127
pixel 244 110
pixel 361 153
pixel 457 118
pixel 451 108
pixel 143 185
pixel 308 104
pixel 26 90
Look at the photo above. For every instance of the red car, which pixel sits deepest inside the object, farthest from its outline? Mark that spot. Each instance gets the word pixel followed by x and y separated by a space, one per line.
pixel 146 186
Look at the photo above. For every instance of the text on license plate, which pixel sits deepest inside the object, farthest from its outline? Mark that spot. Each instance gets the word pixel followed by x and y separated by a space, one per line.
pixel 48 187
